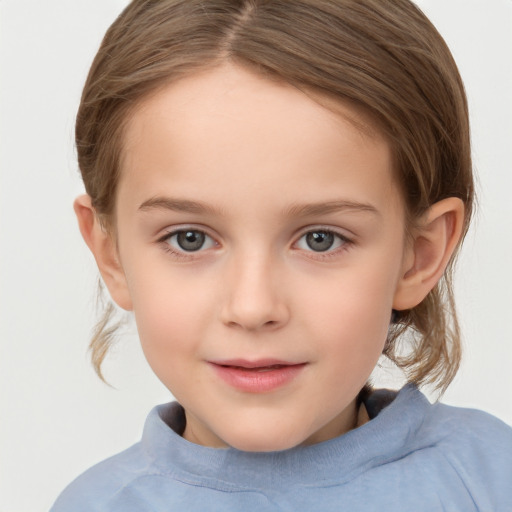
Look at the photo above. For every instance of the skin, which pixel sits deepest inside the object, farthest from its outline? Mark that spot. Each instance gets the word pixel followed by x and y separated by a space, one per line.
pixel 253 164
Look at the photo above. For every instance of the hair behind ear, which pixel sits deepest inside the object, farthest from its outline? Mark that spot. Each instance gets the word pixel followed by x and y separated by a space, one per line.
pixel 106 330
pixel 426 319
pixel 102 245
pixel 429 352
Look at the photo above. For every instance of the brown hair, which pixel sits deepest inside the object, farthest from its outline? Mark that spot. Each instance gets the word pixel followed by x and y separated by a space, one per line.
pixel 382 55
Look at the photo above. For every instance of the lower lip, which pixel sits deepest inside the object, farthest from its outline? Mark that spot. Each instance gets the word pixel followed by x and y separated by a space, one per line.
pixel 258 381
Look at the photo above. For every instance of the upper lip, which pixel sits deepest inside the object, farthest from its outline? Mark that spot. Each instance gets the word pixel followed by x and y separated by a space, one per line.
pixel 257 363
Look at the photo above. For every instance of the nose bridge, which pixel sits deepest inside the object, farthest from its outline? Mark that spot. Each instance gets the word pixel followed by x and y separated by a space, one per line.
pixel 254 298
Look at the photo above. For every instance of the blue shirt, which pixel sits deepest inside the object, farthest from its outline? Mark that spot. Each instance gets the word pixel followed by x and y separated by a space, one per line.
pixel 412 456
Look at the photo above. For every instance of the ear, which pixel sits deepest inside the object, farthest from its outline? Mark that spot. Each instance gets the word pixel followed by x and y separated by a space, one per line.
pixel 428 255
pixel 103 247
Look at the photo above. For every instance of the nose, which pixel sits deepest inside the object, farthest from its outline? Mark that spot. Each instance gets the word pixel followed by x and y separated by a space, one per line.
pixel 254 298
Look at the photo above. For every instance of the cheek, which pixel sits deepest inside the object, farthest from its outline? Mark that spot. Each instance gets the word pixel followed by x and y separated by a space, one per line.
pixel 353 343
pixel 172 313
pixel 351 313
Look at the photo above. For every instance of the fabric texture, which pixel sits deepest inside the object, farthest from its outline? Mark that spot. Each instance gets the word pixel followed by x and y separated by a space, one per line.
pixel 411 456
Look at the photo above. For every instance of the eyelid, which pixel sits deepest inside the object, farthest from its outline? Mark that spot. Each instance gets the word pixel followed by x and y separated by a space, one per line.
pixel 346 241
pixel 342 233
pixel 169 232
pixel 164 234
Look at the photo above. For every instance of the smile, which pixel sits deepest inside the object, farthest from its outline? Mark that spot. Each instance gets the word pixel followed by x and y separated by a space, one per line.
pixel 257 376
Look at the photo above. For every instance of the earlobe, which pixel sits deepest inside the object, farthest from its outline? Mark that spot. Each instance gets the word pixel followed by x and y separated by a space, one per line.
pixel 104 250
pixel 433 245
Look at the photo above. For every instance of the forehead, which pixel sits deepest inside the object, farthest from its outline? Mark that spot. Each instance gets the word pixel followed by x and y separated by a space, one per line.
pixel 229 124
pixel 235 91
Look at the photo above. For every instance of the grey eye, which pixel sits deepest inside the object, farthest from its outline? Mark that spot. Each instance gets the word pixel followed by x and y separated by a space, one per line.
pixel 190 240
pixel 320 241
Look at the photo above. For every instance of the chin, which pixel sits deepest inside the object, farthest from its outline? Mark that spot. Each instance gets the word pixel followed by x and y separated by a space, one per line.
pixel 270 442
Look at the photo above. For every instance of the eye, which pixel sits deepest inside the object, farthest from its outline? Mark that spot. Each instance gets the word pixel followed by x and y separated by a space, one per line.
pixel 321 240
pixel 189 240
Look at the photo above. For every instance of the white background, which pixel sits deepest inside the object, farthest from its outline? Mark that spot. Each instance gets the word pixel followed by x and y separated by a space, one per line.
pixel 56 417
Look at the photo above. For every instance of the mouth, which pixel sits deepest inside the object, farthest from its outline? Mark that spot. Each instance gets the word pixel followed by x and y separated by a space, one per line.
pixel 258 368
pixel 261 376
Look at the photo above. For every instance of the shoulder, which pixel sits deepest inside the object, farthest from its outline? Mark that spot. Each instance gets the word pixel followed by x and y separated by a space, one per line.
pixel 473 430
pixel 462 457
pixel 454 432
pixel 473 447
pixel 122 482
pixel 473 436
pixel 97 486
pixel 438 424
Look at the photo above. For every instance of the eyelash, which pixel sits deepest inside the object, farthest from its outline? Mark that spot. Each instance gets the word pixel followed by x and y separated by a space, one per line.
pixel 183 254
pixel 344 243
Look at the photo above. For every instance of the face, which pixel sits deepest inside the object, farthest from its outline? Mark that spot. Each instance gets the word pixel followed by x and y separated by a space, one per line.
pixel 261 237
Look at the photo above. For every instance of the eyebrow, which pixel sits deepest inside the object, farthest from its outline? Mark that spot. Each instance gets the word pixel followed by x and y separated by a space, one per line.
pixel 295 210
pixel 177 205
pixel 323 208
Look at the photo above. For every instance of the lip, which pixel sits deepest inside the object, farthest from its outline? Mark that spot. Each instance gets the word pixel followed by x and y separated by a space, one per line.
pixel 260 376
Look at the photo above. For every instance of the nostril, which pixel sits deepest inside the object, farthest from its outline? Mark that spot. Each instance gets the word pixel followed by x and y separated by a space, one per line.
pixel 253 312
pixel 271 324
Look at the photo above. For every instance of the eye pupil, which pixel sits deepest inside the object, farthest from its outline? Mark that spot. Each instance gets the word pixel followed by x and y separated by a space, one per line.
pixel 190 240
pixel 320 240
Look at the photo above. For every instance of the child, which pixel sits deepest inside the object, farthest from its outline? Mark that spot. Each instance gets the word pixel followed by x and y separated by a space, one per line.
pixel 277 190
